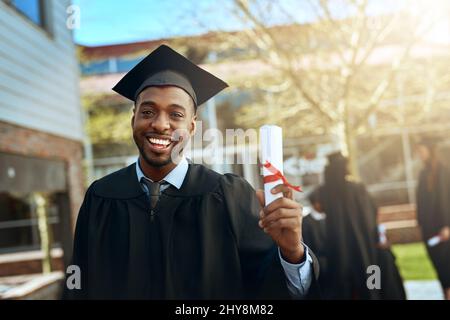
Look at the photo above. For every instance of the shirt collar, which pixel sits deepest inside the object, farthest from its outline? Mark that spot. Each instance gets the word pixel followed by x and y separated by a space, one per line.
pixel 174 177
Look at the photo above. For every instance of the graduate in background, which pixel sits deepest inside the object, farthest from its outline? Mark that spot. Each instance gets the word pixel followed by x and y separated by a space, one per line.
pixel 314 226
pixel 314 233
pixel 351 233
pixel 433 210
pixel 352 239
pixel 164 228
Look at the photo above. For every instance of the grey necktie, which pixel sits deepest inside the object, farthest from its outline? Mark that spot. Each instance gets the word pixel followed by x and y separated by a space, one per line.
pixel 153 191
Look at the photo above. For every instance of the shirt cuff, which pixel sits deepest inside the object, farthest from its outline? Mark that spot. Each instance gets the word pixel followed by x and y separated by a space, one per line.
pixel 299 276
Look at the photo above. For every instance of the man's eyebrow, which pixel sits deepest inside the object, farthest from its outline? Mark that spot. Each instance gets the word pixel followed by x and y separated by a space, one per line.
pixel 152 103
pixel 147 102
pixel 174 105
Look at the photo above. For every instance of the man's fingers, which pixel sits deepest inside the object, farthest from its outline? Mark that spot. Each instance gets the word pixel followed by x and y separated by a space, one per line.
pixel 279 214
pixel 281 203
pixel 289 223
pixel 287 192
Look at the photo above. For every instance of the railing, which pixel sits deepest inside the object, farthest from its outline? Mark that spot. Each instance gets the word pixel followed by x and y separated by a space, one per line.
pixel 400 222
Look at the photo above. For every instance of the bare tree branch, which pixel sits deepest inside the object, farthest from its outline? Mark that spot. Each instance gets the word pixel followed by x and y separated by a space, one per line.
pixel 278 54
pixel 386 83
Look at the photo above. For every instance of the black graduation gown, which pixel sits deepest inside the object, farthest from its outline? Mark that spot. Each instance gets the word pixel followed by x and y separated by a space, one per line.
pixel 391 280
pixel 203 243
pixel 314 234
pixel 352 246
pixel 433 213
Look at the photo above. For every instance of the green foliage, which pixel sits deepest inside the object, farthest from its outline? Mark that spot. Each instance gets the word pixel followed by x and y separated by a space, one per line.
pixel 109 121
pixel 110 127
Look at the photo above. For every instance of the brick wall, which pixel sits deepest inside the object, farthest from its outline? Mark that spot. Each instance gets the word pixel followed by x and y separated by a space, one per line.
pixel 28 142
pixel 28 265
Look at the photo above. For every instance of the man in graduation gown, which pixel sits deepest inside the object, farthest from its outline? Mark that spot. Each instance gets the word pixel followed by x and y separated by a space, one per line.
pixel 433 209
pixel 164 228
pixel 352 240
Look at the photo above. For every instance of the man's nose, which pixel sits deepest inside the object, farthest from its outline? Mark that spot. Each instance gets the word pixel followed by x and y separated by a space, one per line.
pixel 160 123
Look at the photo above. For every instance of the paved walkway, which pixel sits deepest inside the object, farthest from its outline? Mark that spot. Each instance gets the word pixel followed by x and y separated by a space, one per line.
pixel 423 290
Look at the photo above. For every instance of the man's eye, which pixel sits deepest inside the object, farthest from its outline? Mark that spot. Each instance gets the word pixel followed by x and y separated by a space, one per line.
pixel 177 115
pixel 148 112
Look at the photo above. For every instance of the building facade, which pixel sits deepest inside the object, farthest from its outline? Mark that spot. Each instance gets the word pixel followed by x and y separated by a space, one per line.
pixel 41 129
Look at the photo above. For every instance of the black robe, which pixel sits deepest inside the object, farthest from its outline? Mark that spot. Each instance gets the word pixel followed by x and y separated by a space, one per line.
pixel 352 246
pixel 433 213
pixel 391 281
pixel 314 234
pixel 203 243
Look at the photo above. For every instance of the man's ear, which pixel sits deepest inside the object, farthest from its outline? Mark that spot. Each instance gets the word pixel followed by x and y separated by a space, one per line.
pixel 193 124
pixel 132 118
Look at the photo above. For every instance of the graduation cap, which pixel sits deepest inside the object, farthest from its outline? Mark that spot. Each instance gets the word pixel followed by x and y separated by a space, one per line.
pixel 337 165
pixel 166 67
pixel 336 157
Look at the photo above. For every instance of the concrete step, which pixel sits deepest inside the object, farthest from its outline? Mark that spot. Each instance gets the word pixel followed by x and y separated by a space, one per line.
pixel 423 290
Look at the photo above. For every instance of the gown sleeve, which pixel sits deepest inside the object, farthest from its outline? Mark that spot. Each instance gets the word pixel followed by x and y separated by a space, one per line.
pixel 80 252
pixel 262 272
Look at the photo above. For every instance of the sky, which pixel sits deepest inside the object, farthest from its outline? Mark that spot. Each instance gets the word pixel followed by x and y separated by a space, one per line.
pixel 116 21
pixel 105 22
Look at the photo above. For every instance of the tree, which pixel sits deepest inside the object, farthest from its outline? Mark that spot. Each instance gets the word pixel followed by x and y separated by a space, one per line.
pixel 330 74
pixel 109 125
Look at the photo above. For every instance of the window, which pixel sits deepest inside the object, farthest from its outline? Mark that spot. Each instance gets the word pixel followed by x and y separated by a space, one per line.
pixel 29 186
pixel 125 65
pixel 19 223
pixel 95 67
pixel 111 65
pixel 32 9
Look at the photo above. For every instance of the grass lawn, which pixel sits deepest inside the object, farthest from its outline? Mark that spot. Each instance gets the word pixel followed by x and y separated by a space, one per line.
pixel 413 262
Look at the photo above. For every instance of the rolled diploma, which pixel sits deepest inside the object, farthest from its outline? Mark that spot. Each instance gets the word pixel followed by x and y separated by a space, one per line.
pixel 271 149
pixel 433 241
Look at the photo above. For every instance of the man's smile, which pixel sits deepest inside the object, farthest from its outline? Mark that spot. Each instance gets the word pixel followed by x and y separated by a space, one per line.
pixel 160 143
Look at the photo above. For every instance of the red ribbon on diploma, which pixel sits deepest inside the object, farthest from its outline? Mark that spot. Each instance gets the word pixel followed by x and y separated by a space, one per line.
pixel 277 175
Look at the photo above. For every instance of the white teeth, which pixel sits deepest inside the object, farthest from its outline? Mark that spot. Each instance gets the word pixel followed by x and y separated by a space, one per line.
pixel 163 142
